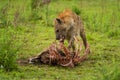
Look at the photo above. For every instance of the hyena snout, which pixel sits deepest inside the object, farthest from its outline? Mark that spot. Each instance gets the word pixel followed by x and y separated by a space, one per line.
pixel 57 37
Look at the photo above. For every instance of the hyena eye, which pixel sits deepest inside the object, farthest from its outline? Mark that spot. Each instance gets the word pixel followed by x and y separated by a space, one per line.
pixel 57 30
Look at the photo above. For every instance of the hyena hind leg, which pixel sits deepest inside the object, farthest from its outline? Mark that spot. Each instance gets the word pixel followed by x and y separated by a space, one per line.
pixel 83 36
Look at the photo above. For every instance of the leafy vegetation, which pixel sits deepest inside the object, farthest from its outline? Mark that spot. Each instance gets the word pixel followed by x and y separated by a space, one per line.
pixel 27 29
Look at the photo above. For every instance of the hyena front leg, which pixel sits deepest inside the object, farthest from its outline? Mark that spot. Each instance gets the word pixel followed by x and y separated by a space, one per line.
pixel 83 36
pixel 71 43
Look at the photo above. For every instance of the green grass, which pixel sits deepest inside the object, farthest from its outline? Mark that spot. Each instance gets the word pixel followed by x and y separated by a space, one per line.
pixel 33 36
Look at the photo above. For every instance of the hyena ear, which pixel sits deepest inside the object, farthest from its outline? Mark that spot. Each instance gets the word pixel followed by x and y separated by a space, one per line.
pixel 59 20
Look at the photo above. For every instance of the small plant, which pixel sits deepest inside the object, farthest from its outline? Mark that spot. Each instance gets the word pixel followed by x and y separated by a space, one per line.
pixel 8 50
pixel 76 10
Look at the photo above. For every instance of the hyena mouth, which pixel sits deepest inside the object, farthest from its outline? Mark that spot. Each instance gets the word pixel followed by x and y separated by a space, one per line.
pixel 62 39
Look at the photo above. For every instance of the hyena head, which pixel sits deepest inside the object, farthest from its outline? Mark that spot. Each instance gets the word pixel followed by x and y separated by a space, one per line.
pixel 61 28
